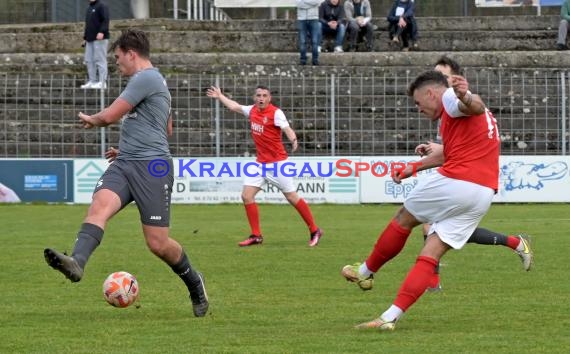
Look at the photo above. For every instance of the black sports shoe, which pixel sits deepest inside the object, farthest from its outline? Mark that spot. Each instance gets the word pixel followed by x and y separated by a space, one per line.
pixel 64 263
pixel 199 298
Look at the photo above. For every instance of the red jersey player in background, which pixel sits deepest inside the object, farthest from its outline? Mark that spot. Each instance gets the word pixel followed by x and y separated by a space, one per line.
pixel 267 123
pixel 453 199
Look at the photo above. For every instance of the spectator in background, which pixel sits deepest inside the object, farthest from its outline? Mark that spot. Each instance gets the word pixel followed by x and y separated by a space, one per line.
pixel 563 28
pixel 96 40
pixel 308 23
pixel 333 18
pixel 402 24
pixel 358 14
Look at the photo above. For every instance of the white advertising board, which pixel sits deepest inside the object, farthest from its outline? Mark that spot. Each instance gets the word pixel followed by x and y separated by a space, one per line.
pixel 210 180
pixel 336 180
pixel 522 179
pixel 86 174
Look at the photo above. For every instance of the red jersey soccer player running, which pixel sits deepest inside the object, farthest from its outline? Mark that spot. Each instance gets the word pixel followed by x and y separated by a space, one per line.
pixel 267 123
pixel 453 199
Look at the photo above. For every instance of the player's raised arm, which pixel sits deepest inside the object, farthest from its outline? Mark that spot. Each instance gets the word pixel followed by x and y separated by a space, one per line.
pixel 469 103
pixel 215 92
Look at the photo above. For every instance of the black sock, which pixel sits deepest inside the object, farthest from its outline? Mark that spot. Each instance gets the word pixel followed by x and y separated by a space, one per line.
pixel 88 238
pixel 487 237
pixel 185 272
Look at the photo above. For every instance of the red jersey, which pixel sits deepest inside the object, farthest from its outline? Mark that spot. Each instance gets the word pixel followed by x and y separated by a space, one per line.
pixel 471 148
pixel 266 128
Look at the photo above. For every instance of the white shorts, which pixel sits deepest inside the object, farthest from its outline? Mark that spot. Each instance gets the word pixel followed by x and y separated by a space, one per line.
pixel 453 207
pixel 274 173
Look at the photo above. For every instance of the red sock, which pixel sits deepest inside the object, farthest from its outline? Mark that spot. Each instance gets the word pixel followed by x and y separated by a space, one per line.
pixel 513 242
pixel 416 282
pixel 389 244
pixel 434 281
pixel 303 209
pixel 253 218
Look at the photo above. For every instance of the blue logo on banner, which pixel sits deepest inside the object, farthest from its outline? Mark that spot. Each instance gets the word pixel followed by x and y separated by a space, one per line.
pixel 40 182
pixel 518 175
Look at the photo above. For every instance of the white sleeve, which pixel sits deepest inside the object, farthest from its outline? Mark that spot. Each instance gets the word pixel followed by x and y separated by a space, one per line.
pixel 246 110
pixel 280 119
pixel 451 103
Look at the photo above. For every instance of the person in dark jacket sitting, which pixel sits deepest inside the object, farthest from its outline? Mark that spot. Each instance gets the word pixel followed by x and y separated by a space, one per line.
pixel 333 21
pixel 402 24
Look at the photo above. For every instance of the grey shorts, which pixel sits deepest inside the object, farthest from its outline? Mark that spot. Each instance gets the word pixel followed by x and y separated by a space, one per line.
pixel 132 181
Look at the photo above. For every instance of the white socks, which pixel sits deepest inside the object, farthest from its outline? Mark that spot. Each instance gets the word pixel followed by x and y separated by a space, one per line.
pixel 364 271
pixel 392 314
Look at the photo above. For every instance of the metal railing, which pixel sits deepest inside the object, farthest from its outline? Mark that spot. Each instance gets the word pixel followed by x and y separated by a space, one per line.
pixel 333 115
pixel 198 10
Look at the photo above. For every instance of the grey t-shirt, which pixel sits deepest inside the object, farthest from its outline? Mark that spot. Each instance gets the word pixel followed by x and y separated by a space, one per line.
pixel 143 132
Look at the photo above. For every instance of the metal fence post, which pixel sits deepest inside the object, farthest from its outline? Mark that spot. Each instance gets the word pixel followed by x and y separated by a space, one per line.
pixel 333 140
pixel 217 118
pixel 564 109
pixel 102 131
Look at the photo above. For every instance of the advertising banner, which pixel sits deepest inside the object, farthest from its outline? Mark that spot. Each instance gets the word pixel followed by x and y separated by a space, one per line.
pixel 86 174
pixel 210 180
pixel 521 179
pixel 43 180
pixel 534 179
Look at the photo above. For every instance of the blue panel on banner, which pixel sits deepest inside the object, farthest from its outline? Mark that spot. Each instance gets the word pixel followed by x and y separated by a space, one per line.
pixel 39 180
pixel 551 2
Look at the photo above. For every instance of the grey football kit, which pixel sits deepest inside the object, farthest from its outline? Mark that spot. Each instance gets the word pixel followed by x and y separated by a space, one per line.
pixel 144 139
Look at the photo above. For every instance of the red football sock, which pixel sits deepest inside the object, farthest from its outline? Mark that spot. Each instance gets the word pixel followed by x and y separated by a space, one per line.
pixel 389 244
pixel 303 209
pixel 434 281
pixel 513 242
pixel 253 218
pixel 416 282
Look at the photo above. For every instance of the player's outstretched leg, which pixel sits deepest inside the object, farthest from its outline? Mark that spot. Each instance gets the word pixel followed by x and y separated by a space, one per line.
pixel 520 244
pixel 67 265
pixel 88 239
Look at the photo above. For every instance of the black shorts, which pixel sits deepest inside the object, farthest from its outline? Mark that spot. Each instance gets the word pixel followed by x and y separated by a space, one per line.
pixel 140 181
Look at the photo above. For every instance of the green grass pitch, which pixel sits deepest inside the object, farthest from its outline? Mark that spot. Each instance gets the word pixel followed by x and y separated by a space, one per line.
pixel 281 297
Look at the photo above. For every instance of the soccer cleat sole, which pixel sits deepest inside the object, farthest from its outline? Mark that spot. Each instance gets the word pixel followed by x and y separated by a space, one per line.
pixel 64 264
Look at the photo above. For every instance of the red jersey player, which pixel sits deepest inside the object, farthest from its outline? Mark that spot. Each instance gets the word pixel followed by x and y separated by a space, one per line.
pixel 453 199
pixel 267 123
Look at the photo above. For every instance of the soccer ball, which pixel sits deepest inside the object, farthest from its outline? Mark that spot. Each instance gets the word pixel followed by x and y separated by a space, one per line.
pixel 121 289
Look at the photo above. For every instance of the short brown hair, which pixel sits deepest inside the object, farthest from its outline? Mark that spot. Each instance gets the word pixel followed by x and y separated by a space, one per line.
pixel 133 39
pixel 427 78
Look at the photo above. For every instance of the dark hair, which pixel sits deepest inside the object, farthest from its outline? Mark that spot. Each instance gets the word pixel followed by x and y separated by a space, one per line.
pixel 263 87
pixel 456 69
pixel 133 39
pixel 431 77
